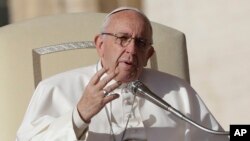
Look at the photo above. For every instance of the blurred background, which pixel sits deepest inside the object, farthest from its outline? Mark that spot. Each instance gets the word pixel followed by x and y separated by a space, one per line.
pixel 217 33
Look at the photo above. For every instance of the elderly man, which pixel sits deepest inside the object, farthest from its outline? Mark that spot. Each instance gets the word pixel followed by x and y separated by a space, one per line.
pixel 94 104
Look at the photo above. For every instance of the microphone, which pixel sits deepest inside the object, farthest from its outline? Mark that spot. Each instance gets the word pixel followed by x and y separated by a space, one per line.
pixel 139 89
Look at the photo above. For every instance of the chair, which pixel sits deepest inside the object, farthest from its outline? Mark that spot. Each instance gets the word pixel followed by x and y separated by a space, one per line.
pixel 27 55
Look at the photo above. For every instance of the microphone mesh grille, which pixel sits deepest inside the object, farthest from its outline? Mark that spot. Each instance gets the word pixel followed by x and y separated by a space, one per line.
pixel 134 85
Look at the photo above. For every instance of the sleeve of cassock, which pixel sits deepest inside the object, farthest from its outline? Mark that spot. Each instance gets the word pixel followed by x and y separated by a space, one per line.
pixel 51 115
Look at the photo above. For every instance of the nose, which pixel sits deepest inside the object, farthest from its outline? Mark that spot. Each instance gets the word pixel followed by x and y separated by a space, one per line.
pixel 131 48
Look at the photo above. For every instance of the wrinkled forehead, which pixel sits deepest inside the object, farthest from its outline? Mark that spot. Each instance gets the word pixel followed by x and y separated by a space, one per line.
pixel 126 13
pixel 125 9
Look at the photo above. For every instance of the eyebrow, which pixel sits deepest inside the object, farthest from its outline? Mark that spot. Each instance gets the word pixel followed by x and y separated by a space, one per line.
pixel 125 33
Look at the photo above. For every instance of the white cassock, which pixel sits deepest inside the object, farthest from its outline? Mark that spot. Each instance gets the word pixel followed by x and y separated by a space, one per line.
pixel 52 116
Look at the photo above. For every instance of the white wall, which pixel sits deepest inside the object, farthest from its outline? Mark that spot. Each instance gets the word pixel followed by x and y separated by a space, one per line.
pixel 218 34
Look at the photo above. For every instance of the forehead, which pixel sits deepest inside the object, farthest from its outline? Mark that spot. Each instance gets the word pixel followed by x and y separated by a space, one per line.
pixel 128 22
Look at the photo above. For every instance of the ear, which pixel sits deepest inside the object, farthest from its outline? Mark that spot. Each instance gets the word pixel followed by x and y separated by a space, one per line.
pixel 150 53
pixel 99 45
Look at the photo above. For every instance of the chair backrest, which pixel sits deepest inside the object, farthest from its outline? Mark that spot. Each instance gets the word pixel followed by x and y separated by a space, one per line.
pixel 32 43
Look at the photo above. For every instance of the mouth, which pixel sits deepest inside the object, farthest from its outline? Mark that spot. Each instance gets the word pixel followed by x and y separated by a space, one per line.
pixel 127 64
pixel 127 70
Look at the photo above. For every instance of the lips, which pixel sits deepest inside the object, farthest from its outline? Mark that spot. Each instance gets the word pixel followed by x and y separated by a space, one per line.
pixel 127 64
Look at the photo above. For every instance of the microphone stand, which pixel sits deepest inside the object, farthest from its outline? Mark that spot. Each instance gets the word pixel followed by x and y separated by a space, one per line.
pixel 138 88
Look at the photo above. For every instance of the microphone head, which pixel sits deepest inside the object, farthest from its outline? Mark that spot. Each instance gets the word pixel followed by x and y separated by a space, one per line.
pixel 134 86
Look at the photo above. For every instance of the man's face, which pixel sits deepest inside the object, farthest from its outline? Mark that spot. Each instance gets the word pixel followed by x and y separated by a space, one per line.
pixel 118 54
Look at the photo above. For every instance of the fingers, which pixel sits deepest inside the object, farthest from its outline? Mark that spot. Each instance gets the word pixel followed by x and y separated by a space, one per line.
pixel 95 79
pixel 96 94
pixel 102 83
pixel 110 88
pixel 109 98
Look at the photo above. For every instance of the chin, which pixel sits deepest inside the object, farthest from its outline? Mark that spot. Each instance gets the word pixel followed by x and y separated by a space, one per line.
pixel 126 78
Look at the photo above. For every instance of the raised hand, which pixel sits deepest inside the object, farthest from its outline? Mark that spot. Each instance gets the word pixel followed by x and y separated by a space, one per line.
pixel 95 96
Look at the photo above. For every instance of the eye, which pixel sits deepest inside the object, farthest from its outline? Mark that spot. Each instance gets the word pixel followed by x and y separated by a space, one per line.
pixel 141 42
pixel 124 38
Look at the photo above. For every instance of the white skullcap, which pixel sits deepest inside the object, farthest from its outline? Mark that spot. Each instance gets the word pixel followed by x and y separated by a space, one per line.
pixel 123 9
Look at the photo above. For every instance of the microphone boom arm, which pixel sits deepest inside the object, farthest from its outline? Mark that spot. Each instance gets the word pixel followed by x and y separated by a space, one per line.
pixel 138 88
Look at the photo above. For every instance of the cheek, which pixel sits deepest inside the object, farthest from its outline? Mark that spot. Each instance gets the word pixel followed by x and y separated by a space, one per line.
pixel 110 57
pixel 143 59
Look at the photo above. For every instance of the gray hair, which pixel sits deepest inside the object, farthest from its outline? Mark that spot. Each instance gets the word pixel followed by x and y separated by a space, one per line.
pixel 120 9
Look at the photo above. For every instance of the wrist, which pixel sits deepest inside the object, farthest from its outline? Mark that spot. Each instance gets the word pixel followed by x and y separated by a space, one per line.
pixel 83 117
